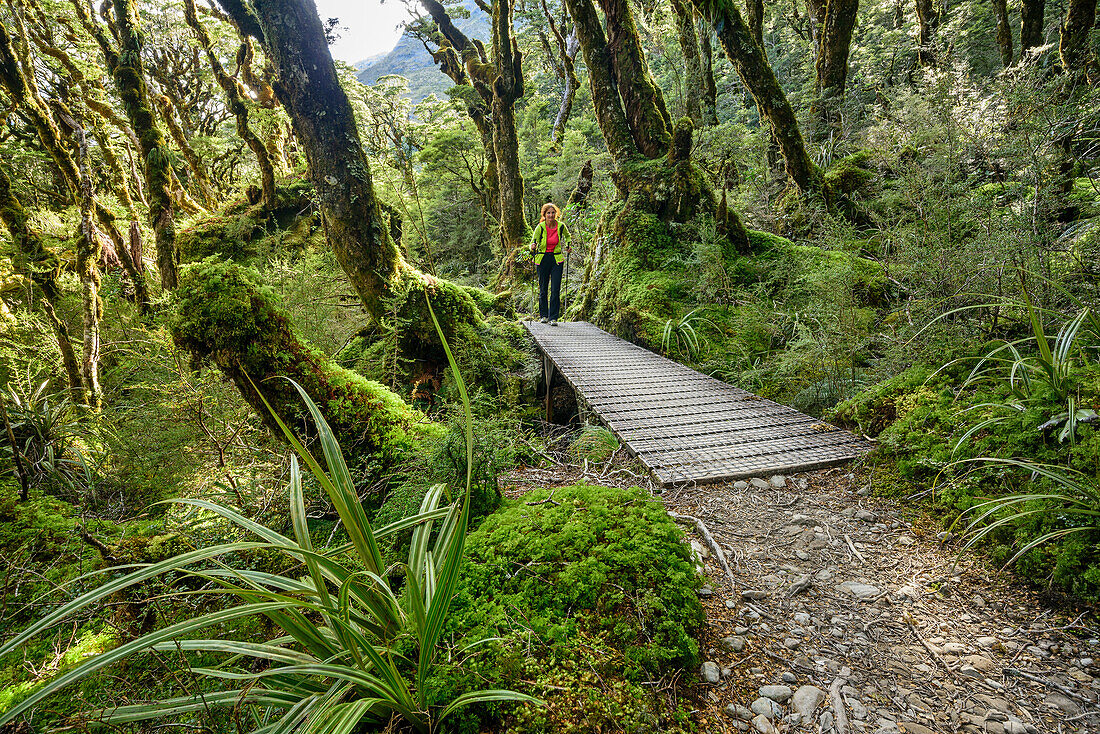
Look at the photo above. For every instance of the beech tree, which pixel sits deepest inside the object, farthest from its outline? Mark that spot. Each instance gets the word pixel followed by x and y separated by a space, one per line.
pixel 1032 18
pixel 834 21
pixel 497 83
pixel 756 74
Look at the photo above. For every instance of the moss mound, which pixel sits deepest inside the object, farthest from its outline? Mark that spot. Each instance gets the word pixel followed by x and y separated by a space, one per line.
pixel 590 594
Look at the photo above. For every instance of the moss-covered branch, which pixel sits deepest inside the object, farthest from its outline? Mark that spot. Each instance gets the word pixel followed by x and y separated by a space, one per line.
pixel 224 313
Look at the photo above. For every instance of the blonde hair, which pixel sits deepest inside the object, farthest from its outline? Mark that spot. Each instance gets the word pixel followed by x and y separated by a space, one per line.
pixel 547 207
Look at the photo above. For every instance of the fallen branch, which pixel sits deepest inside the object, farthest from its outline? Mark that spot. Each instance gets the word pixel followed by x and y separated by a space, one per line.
pixel 840 714
pixel 1049 683
pixel 852 547
pixel 99 545
pixel 932 651
pixel 709 540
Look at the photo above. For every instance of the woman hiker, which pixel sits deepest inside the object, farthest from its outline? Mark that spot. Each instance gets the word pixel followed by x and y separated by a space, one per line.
pixel 549 246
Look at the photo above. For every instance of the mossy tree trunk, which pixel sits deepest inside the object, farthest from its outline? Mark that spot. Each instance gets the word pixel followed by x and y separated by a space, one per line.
pixel 568 46
pixel 837 20
pixel 88 252
pixel 125 66
pixel 507 85
pixel 1032 17
pixel 693 71
pixel 236 104
pixel 225 314
pixel 1073 41
pixel 928 20
pixel 1004 32
pixel 756 74
pixel 661 189
pixel 355 225
pixel 42 267
pixel 641 98
pixel 710 89
pixel 14 79
pixel 194 163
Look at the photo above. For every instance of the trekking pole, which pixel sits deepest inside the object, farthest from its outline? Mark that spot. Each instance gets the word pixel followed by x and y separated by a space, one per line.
pixel 565 290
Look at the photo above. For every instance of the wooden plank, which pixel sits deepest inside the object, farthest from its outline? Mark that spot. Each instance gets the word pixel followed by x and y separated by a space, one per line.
pixel 683 425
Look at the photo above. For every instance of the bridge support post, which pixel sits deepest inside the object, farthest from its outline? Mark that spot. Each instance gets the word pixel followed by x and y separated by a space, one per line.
pixel 548 376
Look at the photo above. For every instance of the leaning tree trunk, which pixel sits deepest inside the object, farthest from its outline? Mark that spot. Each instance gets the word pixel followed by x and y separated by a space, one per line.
pixel 1073 42
pixel 1032 17
pixel 693 72
pixel 355 226
pixel 198 171
pixel 1004 32
pixel 835 39
pixel 756 74
pixel 568 48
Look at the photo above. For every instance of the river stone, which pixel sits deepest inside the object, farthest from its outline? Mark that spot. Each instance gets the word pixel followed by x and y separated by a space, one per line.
pixel 802 618
pixel 806 699
pixel 778 481
pixel 766 707
pixel 1060 702
pixel 710 672
pixel 858 590
pixel 754 595
pixel 1015 727
pixel 980 662
pixel 780 694
pixel 732 644
pixel 760 483
pixel 763 725
pixel 738 711
pixel 741 485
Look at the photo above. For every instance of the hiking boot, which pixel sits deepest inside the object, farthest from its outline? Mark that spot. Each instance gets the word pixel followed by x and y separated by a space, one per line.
pixel 553 322
pixel 544 320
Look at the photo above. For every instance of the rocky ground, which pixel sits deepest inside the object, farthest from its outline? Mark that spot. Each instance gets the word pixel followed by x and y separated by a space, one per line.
pixel 840 614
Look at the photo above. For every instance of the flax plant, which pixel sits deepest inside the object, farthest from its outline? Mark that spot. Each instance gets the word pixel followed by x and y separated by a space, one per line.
pixel 335 664
pixel 1071 499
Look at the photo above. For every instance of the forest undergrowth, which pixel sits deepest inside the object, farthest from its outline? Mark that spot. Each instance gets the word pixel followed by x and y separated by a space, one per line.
pixel 933 287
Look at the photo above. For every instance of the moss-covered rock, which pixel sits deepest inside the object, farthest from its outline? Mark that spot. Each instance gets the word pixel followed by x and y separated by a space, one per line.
pixel 224 313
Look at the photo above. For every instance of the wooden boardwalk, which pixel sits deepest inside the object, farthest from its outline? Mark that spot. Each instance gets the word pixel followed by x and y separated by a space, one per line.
pixel 684 426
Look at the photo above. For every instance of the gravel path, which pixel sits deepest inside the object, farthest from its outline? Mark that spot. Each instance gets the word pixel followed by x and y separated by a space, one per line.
pixel 844 617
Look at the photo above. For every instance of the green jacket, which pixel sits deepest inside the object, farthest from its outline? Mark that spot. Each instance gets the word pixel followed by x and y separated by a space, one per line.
pixel 538 242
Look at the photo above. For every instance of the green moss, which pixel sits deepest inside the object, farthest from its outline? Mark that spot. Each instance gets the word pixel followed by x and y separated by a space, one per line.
pixel 223 312
pixel 589 596
pixel 245 229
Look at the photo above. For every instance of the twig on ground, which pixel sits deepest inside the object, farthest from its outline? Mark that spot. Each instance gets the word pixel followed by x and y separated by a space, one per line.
pixel 931 650
pixel 852 547
pixel 549 499
pixel 1049 683
pixel 709 540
